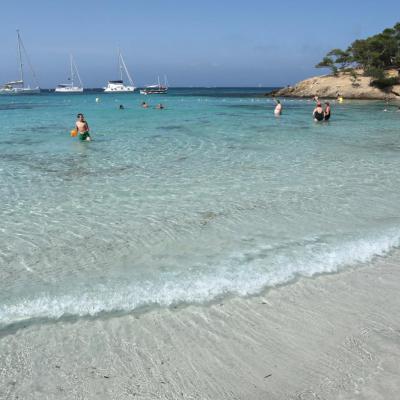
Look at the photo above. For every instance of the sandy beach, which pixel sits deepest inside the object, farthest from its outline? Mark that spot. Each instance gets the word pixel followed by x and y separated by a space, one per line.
pixel 328 337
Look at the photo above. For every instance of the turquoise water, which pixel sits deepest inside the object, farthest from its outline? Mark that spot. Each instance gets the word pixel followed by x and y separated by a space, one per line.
pixel 209 197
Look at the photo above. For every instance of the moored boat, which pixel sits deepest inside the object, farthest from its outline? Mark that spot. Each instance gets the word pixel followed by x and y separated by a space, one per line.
pixel 18 86
pixel 118 86
pixel 70 87
pixel 156 89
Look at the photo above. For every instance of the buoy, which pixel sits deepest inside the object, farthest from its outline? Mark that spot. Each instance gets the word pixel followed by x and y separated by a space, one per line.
pixel 97 100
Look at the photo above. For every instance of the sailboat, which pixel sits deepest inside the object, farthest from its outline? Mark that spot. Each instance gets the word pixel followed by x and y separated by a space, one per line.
pixel 156 89
pixel 118 85
pixel 69 87
pixel 18 86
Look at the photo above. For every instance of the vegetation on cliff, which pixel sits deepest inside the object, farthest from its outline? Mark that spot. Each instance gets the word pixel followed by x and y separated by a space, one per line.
pixel 374 55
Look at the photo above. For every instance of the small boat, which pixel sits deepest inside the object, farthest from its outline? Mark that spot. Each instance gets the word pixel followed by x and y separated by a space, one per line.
pixel 70 87
pixel 118 86
pixel 18 86
pixel 156 89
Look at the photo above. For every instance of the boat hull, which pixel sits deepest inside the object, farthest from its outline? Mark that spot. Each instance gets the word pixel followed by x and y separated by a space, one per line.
pixel 74 89
pixel 126 89
pixel 146 92
pixel 19 91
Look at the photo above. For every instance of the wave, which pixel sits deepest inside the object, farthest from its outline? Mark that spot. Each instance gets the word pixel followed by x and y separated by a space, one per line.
pixel 241 274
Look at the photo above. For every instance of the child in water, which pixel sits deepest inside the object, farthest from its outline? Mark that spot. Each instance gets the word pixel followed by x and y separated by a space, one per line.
pixel 83 128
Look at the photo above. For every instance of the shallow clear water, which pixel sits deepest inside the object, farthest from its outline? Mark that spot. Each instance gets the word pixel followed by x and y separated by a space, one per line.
pixel 211 196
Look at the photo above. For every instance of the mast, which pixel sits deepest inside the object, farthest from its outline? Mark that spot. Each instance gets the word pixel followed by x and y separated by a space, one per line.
pixel 77 74
pixel 22 47
pixel 120 63
pixel 159 84
pixel 72 70
pixel 20 58
pixel 126 69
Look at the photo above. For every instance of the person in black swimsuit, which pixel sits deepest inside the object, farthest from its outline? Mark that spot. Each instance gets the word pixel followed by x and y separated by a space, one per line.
pixel 318 113
pixel 327 112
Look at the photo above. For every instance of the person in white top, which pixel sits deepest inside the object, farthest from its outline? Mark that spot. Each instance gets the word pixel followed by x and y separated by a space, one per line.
pixel 278 108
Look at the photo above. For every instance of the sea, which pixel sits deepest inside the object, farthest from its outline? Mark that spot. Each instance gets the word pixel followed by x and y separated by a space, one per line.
pixel 212 196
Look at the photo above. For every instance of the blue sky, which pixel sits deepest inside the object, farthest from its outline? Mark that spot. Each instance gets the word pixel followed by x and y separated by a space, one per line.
pixel 196 43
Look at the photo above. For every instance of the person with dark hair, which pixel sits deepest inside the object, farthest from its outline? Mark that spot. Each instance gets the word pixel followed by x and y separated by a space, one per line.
pixel 83 128
pixel 327 111
pixel 318 113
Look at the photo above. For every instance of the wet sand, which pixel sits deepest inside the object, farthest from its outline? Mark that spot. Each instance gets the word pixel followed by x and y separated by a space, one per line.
pixel 329 337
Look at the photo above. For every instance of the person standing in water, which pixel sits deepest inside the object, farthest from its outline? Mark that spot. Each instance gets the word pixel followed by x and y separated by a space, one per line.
pixel 327 111
pixel 278 108
pixel 83 128
pixel 318 113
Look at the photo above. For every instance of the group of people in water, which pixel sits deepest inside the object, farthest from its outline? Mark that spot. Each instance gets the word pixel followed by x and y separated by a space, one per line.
pixel 82 127
pixel 159 106
pixel 319 113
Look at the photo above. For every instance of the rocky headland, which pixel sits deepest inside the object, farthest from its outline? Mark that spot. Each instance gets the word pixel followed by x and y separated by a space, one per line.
pixel 345 84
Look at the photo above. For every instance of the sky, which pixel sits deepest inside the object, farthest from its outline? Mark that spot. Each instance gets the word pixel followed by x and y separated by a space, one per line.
pixel 195 43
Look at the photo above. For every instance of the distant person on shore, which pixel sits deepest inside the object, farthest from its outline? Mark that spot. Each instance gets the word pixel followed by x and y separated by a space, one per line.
pixel 83 128
pixel 160 106
pixel 327 111
pixel 278 108
pixel 318 113
pixel 145 105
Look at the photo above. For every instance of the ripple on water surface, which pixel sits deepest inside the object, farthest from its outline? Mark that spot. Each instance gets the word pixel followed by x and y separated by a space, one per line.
pixel 196 201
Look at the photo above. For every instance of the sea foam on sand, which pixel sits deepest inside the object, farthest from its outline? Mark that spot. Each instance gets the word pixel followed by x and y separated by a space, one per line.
pixel 331 337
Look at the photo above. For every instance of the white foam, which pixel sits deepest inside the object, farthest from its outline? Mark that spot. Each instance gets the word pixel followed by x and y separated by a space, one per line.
pixel 241 275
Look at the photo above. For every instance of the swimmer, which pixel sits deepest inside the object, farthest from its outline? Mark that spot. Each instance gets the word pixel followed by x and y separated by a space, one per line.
pixel 315 98
pixel 160 106
pixel 83 128
pixel 145 105
pixel 278 108
pixel 121 107
pixel 318 113
pixel 327 111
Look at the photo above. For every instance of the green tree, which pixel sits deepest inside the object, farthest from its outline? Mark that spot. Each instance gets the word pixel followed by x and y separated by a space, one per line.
pixel 327 62
pixel 374 54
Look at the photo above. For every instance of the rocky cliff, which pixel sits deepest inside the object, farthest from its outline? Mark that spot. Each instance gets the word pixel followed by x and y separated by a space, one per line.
pixel 344 84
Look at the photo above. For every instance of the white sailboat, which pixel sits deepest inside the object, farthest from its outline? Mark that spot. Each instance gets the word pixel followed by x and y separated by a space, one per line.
pixel 156 89
pixel 70 87
pixel 118 86
pixel 18 86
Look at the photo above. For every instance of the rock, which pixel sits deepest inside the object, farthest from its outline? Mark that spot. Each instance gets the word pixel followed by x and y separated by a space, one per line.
pixel 329 86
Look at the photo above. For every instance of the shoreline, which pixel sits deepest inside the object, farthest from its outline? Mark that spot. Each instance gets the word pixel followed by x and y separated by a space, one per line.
pixel 328 337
